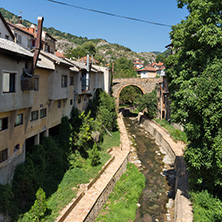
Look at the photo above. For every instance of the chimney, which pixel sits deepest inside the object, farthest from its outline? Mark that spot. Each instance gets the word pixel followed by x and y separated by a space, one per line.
pixel 19 19
pixel 38 43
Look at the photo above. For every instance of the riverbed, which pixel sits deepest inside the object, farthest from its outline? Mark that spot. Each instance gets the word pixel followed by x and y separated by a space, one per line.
pixel 156 201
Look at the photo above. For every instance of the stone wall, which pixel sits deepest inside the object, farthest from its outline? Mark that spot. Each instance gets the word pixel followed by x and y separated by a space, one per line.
pixel 145 85
pixel 104 195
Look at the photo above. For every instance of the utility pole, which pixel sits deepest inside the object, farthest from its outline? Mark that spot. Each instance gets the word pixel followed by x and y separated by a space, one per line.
pixel 87 73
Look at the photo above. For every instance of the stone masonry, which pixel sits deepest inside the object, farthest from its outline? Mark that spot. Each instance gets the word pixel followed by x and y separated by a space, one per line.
pixel 145 85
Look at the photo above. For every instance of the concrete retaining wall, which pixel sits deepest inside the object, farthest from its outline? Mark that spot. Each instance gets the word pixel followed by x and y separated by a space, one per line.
pixel 159 139
pixel 7 172
pixel 183 207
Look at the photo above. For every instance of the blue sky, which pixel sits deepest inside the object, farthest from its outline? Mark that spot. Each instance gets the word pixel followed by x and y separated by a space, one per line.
pixel 140 37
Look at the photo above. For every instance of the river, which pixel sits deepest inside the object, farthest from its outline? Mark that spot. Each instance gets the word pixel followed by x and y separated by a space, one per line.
pixel 156 200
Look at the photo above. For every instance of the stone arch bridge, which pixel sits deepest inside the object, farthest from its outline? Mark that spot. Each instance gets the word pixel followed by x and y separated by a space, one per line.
pixel 145 85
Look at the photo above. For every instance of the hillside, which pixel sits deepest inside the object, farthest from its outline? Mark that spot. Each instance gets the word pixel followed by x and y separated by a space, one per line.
pixel 105 52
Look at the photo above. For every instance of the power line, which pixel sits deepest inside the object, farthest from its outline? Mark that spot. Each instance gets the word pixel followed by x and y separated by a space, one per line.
pixel 108 13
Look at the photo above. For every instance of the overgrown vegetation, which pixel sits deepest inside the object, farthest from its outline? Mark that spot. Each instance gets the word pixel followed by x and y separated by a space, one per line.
pixel 53 170
pixel 175 133
pixel 162 56
pixel 195 87
pixel 128 95
pixel 121 205
pixel 147 102
pixel 82 50
pixel 124 68
pixel 206 207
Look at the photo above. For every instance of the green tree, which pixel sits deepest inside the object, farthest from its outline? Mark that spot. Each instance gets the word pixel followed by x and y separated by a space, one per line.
pixel 106 114
pixel 124 68
pixel 82 140
pixel 161 57
pixel 149 102
pixel 129 94
pixel 195 78
pixel 38 209
pixel 95 155
pixel 82 50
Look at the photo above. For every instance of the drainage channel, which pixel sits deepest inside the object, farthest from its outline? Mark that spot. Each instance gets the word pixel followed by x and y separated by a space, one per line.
pixel 156 201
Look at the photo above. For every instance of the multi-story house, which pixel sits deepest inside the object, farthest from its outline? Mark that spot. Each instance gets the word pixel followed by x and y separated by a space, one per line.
pixel 15 106
pixel 23 37
pixel 147 72
pixel 5 31
pixel 137 63
pixel 33 101
pixel 26 37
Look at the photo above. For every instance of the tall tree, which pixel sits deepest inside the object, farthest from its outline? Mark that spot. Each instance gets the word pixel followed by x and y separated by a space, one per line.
pixel 82 50
pixel 124 68
pixel 195 78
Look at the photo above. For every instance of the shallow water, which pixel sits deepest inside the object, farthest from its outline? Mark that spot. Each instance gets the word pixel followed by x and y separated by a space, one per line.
pixel 155 195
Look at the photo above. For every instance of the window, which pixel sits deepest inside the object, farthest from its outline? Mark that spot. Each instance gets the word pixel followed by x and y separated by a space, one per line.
pixel 16 148
pixel 19 120
pixel 64 81
pixel 8 82
pixel 71 81
pixel 70 101
pixel 43 113
pixel 85 81
pixel 36 83
pixel 29 43
pixel 6 36
pixel 59 104
pixel 34 115
pixel 3 155
pixel 19 39
pixel 79 99
pixel 3 123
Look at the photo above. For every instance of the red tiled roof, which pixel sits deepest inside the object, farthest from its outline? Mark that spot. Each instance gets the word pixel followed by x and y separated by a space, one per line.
pixel 21 28
pixel 148 68
pixel 84 59
pixel 157 64
pixel 59 54
pixel 163 67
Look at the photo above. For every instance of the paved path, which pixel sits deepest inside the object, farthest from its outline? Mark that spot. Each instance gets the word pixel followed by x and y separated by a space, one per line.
pixel 81 210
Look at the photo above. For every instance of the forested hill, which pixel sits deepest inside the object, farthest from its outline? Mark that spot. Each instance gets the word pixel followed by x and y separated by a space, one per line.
pixel 105 52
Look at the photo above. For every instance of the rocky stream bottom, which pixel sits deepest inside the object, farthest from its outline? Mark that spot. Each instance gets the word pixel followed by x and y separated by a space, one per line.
pixel 156 201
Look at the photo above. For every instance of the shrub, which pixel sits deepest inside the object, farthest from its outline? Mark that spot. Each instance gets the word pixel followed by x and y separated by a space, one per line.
pixel 6 197
pixel 107 115
pixel 38 209
pixel 149 102
pixel 206 207
pixel 95 156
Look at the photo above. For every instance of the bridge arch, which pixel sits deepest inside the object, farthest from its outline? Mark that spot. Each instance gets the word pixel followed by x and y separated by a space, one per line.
pixel 124 86
pixel 145 85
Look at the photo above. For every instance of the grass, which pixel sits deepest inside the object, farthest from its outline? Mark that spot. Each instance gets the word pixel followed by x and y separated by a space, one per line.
pixel 109 141
pixel 175 133
pixel 121 205
pixel 69 185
